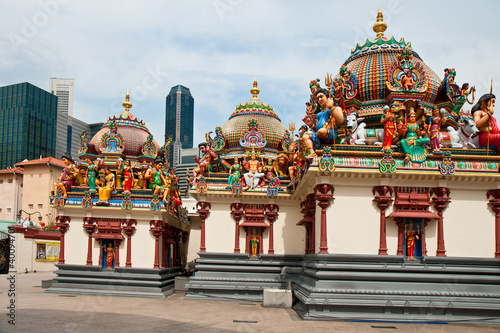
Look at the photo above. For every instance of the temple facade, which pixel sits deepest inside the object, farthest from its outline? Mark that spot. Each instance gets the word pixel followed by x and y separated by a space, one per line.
pixel 384 205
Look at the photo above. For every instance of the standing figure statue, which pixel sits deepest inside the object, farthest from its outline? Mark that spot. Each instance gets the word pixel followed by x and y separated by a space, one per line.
pixel 390 129
pixel 254 242
pixel 128 176
pixel 436 121
pixel 413 146
pixel 254 174
pixel 92 170
pixel 412 236
pixel 489 134
pixel 110 255
pixel 325 125
pixel 67 177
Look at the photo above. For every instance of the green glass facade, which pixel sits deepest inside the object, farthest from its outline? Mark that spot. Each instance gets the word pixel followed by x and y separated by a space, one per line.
pixel 28 126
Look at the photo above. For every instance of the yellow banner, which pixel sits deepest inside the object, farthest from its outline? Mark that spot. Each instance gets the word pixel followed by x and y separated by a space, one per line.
pixel 47 251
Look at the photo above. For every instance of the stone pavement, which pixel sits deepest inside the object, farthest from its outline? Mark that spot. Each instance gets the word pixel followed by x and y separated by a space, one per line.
pixel 36 311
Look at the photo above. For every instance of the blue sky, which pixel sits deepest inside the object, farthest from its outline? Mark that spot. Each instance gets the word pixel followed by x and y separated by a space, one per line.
pixel 217 48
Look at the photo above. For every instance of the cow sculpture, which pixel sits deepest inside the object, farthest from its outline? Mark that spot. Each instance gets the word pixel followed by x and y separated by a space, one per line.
pixel 359 134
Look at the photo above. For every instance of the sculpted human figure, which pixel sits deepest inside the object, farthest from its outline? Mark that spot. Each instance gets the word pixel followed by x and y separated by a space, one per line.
pixel 235 172
pixel 407 81
pixel 155 178
pixel 413 146
pixel 128 176
pixel 254 242
pixel 108 187
pixel 270 172
pixel 206 161
pixel 92 180
pixel 325 127
pixel 489 134
pixel 67 177
pixel 390 129
pixel 436 121
pixel 412 236
pixel 254 174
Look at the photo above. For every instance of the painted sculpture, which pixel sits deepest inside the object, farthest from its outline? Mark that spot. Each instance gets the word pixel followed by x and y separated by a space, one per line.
pixel 91 177
pixel 390 128
pixel 437 120
pixel 413 145
pixel 485 122
pixel 67 177
pixel 108 188
pixel 254 173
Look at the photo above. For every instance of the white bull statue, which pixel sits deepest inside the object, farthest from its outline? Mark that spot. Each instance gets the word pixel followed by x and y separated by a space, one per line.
pixel 359 134
pixel 465 137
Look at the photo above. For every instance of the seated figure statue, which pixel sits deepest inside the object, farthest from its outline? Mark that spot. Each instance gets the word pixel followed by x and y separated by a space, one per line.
pixel 254 174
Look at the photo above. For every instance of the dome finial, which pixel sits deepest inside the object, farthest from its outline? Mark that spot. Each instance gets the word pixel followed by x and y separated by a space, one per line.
pixel 254 91
pixel 127 105
pixel 380 26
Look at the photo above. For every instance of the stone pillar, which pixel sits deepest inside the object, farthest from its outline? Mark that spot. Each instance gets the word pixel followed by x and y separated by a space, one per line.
pixel 62 223
pixel 383 201
pixel 129 228
pixel 90 227
pixel 272 215
pixel 203 211
pixel 440 201
pixel 156 227
pixel 401 236
pixel 324 194
pixel 495 206
pixel 237 212
pixel 166 241
pixel 117 252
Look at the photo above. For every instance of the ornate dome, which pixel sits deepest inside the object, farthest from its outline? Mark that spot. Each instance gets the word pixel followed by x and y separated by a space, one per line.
pixel 254 114
pixel 132 133
pixel 371 64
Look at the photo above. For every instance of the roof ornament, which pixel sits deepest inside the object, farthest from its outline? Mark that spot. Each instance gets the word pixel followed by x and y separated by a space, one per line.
pixel 255 91
pixel 127 104
pixel 380 26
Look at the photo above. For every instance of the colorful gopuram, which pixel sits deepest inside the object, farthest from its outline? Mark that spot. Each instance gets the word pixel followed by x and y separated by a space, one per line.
pixel 384 205
pixel 123 227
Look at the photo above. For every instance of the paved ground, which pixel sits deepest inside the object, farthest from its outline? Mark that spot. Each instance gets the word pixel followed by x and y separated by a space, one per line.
pixel 36 311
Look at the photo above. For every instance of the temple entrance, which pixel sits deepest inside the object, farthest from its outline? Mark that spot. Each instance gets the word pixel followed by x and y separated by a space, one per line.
pixel 413 238
pixel 108 253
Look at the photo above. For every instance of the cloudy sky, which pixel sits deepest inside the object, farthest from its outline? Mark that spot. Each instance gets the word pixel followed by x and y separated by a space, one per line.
pixel 217 47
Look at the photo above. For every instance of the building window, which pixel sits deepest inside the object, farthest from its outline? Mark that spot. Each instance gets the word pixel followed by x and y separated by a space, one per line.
pixel 10 181
pixel 0 210
pixel 39 175
pixel 1 181
pixel 8 210
pixel 30 206
pixel 40 206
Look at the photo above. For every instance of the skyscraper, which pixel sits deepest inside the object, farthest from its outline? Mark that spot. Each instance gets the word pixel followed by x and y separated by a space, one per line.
pixel 63 89
pixel 179 119
pixel 28 127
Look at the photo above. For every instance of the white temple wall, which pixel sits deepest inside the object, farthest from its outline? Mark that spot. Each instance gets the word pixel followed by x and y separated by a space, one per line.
pixel 289 238
pixel 194 239
pixel 143 247
pixel 353 221
pixel 469 224
pixel 219 229
pixel 76 243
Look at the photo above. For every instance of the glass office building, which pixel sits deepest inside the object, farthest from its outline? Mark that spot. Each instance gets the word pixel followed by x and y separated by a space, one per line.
pixel 28 126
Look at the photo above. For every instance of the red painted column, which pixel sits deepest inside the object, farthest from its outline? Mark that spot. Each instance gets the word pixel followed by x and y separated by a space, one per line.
pixel 440 201
pixel 399 223
pixel 237 212
pixel 272 215
pixel 156 227
pixel 495 206
pixel 203 211
pixel 129 228
pixel 324 194
pixel 117 252
pixel 88 224
pixel 62 223
pixel 383 201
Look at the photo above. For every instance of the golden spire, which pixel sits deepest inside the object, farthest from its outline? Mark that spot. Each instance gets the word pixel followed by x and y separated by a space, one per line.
pixel 127 105
pixel 380 26
pixel 254 91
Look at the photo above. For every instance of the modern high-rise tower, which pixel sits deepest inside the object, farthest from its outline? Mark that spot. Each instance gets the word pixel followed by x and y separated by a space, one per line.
pixel 179 119
pixel 28 126
pixel 63 89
